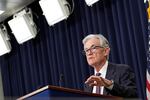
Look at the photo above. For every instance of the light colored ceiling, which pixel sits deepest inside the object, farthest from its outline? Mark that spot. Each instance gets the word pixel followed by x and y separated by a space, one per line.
pixel 12 6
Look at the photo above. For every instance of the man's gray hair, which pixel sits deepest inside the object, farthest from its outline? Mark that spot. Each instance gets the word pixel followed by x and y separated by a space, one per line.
pixel 103 41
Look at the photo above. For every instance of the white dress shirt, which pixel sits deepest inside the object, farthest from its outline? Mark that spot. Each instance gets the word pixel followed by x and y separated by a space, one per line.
pixel 103 75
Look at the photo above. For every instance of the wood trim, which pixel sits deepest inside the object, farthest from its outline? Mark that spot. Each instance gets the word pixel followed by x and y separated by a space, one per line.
pixel 69 91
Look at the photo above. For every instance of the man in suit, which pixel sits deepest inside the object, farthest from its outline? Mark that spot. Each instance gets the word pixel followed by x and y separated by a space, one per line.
pixel 111 79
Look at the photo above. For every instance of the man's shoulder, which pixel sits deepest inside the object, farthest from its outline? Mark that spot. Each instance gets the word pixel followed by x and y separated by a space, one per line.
pixel 119 66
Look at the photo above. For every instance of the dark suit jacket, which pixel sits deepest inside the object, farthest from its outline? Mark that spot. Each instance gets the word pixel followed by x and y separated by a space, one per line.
pixel 124 81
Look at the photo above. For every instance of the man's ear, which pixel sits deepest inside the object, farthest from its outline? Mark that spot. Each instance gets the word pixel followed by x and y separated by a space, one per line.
pixel 107 50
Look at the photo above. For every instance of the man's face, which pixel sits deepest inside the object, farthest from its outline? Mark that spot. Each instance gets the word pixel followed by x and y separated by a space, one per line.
pixel 95 54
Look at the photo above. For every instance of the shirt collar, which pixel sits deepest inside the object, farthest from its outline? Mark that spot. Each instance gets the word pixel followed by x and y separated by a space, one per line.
pixel 103 69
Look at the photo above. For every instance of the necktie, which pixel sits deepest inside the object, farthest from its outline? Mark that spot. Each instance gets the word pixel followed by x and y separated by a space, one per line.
pixel 98 89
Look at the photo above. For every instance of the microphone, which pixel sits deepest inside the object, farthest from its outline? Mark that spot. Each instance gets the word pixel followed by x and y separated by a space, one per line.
pixel 61 80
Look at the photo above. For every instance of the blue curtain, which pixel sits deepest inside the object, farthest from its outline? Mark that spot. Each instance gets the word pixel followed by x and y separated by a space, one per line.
pixel 57 50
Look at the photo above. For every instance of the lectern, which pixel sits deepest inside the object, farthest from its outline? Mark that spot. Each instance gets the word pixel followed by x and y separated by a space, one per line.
pixel 59 93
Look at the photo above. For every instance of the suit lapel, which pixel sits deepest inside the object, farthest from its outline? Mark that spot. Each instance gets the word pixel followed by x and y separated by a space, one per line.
pixel 109 75
pixel 110 71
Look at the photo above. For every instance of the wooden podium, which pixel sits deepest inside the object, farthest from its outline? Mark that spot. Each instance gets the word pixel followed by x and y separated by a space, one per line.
pixel 60 93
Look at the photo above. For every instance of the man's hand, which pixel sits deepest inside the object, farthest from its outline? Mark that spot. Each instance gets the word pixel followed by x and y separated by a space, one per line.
pixel 98 81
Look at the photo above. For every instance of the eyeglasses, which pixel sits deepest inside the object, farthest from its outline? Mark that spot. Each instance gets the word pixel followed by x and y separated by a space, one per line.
pixel 92 49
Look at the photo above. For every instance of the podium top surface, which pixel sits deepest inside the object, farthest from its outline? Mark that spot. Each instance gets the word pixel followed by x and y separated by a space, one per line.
pixel 68 90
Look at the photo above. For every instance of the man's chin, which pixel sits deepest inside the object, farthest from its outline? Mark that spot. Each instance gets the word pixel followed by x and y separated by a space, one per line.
pixel 91 64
